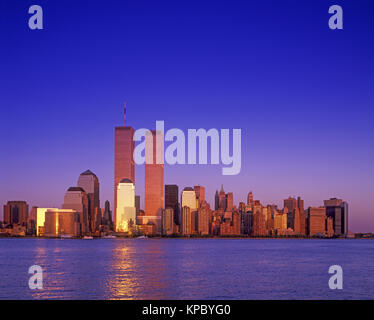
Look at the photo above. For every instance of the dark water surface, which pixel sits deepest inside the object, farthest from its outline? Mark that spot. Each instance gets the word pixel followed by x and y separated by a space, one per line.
pixel 186 268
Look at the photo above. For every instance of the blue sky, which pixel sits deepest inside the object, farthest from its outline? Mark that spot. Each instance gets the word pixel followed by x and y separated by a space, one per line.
pixel 301 93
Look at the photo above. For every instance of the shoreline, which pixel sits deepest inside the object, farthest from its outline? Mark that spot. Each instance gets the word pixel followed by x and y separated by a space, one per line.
pixel 190 238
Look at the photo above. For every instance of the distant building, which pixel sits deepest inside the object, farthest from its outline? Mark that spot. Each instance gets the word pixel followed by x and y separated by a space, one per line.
pixel 171 200
pixel 290 204
pixel 76 199
pixel 107 216
pixel 204 216
pixel 137 204
pixel 16 212
pixel 168 221
pixel 337 209
pixel 250 201
pixel 126 211
pixel 186 228
pixel 222 199
pixel 89 182
pixel 229 201
pixel 189 198
pixel 316 221
pixel 259 228
pixel 38 215
pixel 61 222
pixel 200 194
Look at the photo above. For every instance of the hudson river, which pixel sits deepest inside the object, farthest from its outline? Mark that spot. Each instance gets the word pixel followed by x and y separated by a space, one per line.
pixel 186 268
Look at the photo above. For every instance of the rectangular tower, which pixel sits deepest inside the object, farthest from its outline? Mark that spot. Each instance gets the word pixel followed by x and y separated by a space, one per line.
pixel 154 181
pixel 124 164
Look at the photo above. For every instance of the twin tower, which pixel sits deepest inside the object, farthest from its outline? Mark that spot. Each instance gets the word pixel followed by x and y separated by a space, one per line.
pixel 125 219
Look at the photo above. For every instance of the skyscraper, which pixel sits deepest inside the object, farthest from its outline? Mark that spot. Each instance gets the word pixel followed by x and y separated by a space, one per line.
pixel 126 211
pixel 189 200
pixel 89 182
pixel 107 216
pixel 168 221
pixel 154 179
pixel 124 165
pixel 222 199
pixel 337 209
pixel 290 204
pixel 200 194
pixel 229 201
pixel 171 200
pixel 316 221
pixel 250 199
pixel 204 217
pixel 186 228
pixel 76 199
pixel 16 212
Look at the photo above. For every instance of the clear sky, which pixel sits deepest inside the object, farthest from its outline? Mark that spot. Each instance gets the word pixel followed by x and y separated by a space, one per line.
pixel 302 94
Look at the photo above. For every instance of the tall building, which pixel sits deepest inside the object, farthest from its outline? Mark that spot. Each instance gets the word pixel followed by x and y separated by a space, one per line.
pixel 316 221
pixel 189 198
pixel 76 199
pixel 290 204
pixel 229 201
pixel 126 210
pixel 89 182
pixel 222 199
pixel 168 221
pixel 203 218
pixel 186 228
pixel 61 222
pixel 200 193
pixel 250 199
pixel 300 206
pixel 154 179
pixel 107 216
pixel 16 212
pixel 259 227
pixel 337 209
pixel 124 165
pixel 171 200
pixel 216 200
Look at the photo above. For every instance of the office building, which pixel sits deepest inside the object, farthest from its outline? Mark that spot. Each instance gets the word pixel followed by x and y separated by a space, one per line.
pixel 16 213
pixel 154 178
pixel 124 165
pixel 89 182
pixel 76 199
pixel 126 211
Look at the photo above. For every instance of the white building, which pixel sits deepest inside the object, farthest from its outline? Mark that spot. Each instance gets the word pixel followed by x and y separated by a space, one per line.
pixel 126 210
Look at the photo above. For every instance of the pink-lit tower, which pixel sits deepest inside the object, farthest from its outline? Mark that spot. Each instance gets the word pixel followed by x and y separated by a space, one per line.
pixel 154 180
pixel 124 165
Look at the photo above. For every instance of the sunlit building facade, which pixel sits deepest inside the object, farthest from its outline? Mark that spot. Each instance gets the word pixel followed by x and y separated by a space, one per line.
pixel 126 211
pixel 154 179
pixel 61 222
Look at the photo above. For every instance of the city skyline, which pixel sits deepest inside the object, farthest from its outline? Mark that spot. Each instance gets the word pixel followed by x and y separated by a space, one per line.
pixel 300 93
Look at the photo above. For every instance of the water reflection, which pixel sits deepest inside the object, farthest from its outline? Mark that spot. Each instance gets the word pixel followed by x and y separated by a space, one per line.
pixel 185 269
pixel 137 272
